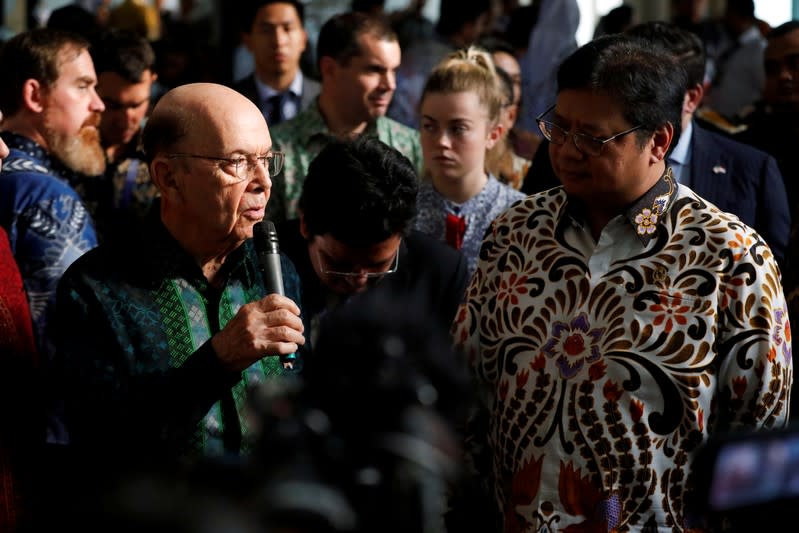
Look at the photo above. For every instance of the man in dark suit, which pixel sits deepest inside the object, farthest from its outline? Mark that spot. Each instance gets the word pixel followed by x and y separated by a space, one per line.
pixel 274 33
pixel 733 176
pixel 354 236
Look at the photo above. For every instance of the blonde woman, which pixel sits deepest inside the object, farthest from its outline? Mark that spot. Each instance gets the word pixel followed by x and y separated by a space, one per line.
pixel 460 111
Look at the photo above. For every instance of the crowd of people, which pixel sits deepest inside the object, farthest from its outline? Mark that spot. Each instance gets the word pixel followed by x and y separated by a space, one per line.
pixel 523 282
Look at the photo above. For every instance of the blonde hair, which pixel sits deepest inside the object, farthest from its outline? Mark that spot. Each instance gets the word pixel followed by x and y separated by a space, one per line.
pixel 468 70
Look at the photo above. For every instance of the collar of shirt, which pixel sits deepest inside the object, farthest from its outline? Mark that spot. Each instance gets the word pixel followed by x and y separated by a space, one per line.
pixel 645 215
pixel 751 35
pixel 679 156
pixel 265 91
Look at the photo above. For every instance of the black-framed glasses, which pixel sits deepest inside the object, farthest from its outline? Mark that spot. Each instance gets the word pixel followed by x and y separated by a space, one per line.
pixel 362 273
pixel 585 143
pixel 243 166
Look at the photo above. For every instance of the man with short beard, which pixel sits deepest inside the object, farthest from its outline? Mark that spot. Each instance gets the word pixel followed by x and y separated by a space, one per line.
pixel 51 115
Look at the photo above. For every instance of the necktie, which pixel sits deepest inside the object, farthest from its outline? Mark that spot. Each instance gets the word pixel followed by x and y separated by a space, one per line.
pixel 456 227
pixel 275 109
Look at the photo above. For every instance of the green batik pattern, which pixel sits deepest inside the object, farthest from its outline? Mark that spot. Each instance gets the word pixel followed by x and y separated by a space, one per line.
pixel 208 436
pixel 179 334
pixel 235 296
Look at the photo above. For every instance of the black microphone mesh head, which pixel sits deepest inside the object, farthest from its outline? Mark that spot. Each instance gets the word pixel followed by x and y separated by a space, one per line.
pixel 265 237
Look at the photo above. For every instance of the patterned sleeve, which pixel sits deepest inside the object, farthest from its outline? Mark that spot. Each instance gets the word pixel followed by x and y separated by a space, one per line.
pixel 756 369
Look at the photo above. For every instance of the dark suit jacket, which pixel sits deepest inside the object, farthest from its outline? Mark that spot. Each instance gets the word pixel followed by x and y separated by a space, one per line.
pixel 733 176
pixel 310 90
pixel 744 181
pixel 430 273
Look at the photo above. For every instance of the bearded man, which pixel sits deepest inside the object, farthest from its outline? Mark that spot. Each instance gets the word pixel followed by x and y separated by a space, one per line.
pixel 51 116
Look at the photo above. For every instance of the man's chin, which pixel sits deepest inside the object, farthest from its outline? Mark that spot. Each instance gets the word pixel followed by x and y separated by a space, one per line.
pixel 81 155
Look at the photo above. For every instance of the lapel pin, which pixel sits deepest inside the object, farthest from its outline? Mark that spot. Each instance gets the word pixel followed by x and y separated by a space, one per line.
pixel 718 169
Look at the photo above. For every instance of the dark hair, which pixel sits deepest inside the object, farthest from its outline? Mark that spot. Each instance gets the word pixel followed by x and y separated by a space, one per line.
pixel 36 54
pixel 366 5
pixel 647 82
pixel 742 8
pixel 455 14
pixel 359 191
pixel 125 53
pixel 783 29
pixel 616 20
pixel 76 19
pixel 522 21
pixel 505 85
pixel 338 37
pixel 251 8
pixel 493 45
pixel 685 45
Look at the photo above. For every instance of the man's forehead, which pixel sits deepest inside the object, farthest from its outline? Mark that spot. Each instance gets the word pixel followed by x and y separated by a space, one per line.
pixel 276 12
pixel 69 54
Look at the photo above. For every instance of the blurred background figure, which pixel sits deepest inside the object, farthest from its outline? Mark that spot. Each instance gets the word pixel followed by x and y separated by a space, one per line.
pixel 75 18
pixel 274 33
pixel 374 8
pixel 138 16
pixel 502 159
pixel 692 15
pixel 411 25
pixel 125 65
pixel 739 76
pixel 551 39
pixel 371 440
pixel 616 20
pixel 460 23
pixel 773 126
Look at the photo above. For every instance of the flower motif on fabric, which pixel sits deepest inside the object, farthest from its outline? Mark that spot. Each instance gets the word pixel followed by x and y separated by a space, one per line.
pixel 740 245
pixel 670 310
pixel 510 286
pixel 781 336
pixel 646 221
pixel 573 345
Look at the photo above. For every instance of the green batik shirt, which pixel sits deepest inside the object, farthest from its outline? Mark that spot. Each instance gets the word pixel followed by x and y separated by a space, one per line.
pixel 134 353
pixel 303 137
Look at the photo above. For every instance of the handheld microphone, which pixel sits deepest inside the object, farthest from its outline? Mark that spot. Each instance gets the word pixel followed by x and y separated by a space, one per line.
pixel 268 250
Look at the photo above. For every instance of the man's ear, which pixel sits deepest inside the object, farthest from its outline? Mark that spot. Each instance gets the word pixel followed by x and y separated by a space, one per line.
pixel 513 113
pixel 246 40
pixel 304 228
pixel 327 66
pixel 661 140
pixel 162 174
pixel 33 95
pixel 693 98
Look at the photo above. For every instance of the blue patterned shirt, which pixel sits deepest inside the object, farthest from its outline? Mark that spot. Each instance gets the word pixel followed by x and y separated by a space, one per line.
pixel 47 223
pixel 478 213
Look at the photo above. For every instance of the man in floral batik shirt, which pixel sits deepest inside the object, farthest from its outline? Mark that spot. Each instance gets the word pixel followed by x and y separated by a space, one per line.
pixel 620 321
